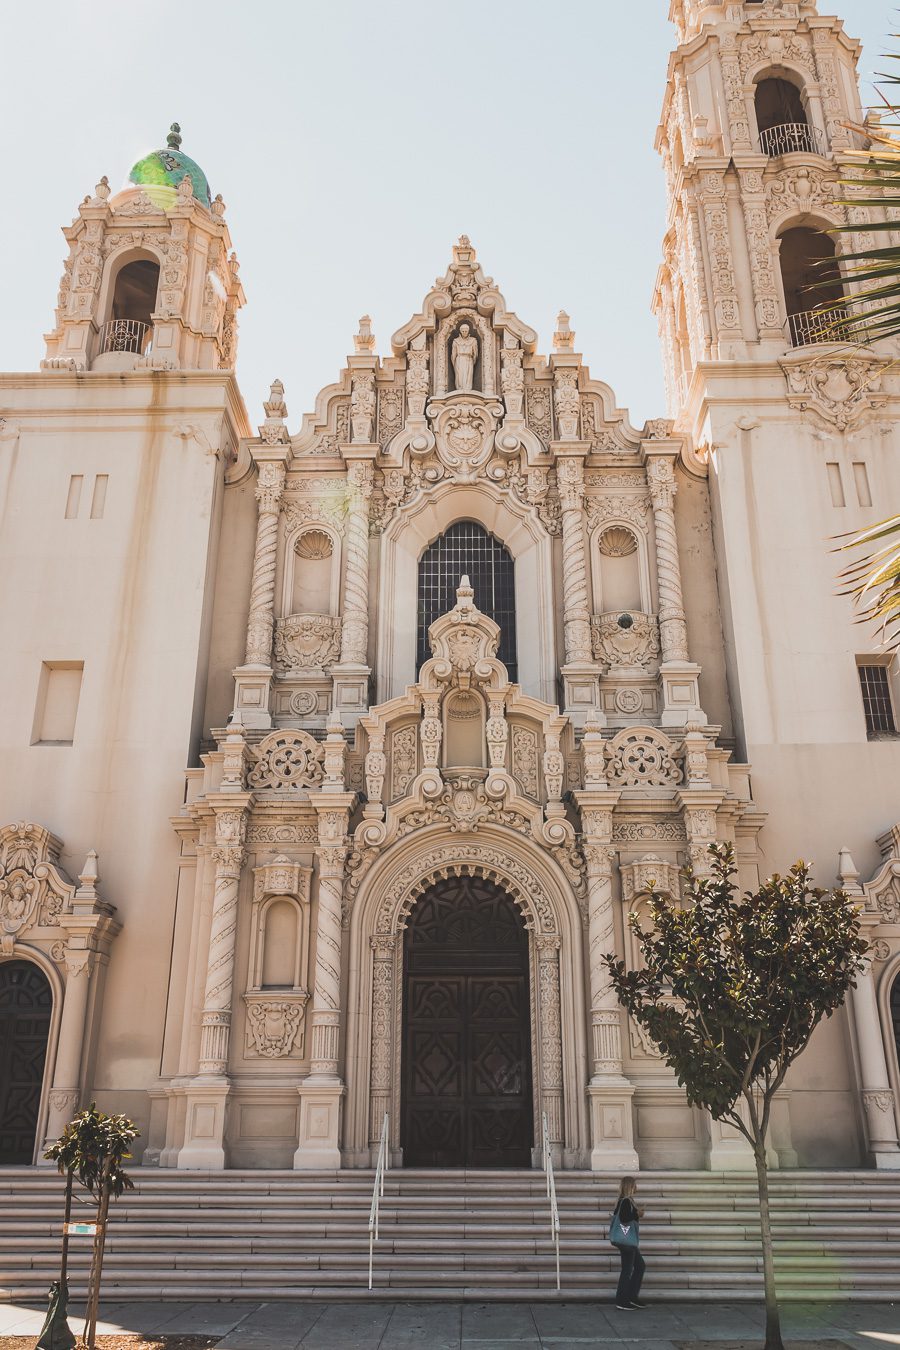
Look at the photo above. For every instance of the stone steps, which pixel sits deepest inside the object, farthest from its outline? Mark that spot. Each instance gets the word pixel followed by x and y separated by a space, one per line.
pixel 458 1235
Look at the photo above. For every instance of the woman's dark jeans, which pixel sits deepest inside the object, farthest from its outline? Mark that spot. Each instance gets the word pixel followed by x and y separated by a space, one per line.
pixel 633 1267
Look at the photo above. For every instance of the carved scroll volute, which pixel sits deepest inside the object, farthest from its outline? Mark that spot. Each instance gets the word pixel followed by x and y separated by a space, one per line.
pixel 375 768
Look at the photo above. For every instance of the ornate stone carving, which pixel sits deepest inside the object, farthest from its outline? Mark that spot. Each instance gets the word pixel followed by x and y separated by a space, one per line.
pixel 404 760
pixel 275 1023
pixel 463 806
pixel 464 433
pixel 803 190
pixel 269 488
pixel 287 761
pixel 637 878
pixel 567 401
pixel 525 760
pixel 884 1101
pixel 481 860
pixel 881 950
pixel 33 890
pixel 630 507
pixel 625 638
pixel 641 757
pixel 362 406
pixel 390 414
pixel 305 642
pixel 840 388
pixel 539 411
pixel 355 627
pixel 617 542
pixel 282 833
pixel 324 510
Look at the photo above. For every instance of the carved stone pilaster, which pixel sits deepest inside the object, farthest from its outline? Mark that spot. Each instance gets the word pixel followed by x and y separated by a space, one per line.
pixel 261 619
pixel 550 1025
pixel 576 603
pixel 672 626
pixel 383 951
pixel 355 630
pixel 332 857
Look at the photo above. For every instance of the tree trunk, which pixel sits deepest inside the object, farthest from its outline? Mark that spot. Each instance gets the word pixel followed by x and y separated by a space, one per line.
pixel 64 1260
pixel 773 1320
pixel 90 1336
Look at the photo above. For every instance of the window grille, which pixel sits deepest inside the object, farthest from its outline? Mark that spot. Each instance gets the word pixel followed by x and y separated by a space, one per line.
pixel 876 697
pixel 466 549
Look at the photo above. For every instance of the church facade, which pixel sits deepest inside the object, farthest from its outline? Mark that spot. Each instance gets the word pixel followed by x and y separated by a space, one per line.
pixel 335 759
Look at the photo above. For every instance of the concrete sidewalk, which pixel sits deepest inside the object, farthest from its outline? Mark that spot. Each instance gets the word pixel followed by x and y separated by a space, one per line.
pixel 481 1326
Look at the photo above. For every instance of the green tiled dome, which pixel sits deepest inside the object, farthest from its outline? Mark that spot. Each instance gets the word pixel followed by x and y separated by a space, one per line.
pixel 166 168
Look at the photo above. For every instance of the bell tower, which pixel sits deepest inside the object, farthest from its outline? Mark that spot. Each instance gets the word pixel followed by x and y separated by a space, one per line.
pixel 754 137
pixel 150 282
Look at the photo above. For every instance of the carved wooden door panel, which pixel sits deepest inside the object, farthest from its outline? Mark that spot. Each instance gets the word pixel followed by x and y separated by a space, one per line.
pixel 26 1004
pixel 466 1030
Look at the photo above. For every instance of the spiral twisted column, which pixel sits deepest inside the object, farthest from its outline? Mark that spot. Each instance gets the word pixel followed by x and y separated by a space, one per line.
pixel 672 626
pixel 355 628
pixel 606 1025
pixel 261 619
pixel 550 1023
pixel 326 1015
pixel 576 602
pixel 228 855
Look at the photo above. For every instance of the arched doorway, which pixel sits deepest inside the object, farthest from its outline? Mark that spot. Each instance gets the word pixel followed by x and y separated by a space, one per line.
pixel 466 1074
pixel 26 1005
pixel 895 1014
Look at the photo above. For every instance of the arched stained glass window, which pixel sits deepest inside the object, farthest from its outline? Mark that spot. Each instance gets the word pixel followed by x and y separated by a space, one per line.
pixel 466 549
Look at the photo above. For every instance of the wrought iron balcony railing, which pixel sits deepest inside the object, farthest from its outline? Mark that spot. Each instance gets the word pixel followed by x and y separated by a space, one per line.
pixel 789 137
pixel 125 335
pixel 820 325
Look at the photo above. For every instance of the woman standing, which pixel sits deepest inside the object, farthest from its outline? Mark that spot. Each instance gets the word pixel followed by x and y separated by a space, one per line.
pixel 624 1233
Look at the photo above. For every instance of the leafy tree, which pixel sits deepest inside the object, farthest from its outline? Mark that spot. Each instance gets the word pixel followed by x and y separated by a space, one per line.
pixel 92 1149
pixel 731 987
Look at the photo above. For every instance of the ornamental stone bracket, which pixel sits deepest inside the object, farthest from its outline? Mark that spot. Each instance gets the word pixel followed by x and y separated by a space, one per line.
pixel 840 387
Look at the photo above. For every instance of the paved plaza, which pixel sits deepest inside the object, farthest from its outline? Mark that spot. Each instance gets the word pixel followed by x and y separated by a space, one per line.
pixel 368 1325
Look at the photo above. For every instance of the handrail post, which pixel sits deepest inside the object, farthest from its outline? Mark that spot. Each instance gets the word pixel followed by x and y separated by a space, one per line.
pixel 381 1167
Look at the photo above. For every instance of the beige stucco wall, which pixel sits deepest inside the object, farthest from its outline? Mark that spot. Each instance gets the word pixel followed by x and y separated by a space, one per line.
pixel 127 595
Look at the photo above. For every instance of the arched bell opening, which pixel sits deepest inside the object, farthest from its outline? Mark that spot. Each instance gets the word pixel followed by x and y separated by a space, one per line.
pixel 26 1012
pixel 782 118
pixel 466 1076
pixel 813 286
pixel 128 328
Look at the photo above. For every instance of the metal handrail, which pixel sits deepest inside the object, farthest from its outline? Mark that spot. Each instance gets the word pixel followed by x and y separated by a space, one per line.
pixel 377 1192
pixel 547 1163
pixel 788 138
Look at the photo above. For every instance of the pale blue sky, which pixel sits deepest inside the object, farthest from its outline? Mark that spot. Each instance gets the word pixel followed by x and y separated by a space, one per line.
pixel 352 143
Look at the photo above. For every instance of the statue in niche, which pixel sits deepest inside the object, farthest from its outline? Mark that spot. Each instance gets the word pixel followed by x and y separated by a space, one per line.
pixel 464 354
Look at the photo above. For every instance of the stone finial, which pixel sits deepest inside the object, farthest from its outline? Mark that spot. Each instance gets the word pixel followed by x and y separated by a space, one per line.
pixel 563 338
pixel 218 206
pixel 848 872
pixel 273 430
pixel 173 140
pixel 465 594
pixel 186 187
pixel 102 190
pixel 90 874
pixel 364 340
pixel 463 252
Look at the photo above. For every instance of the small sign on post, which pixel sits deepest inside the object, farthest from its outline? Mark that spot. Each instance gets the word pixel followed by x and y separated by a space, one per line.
pixel 81 1229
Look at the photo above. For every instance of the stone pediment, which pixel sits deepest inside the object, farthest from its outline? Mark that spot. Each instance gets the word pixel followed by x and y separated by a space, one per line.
pixel 464 644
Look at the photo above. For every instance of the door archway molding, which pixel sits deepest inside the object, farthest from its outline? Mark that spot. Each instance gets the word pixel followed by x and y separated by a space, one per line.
pixel 556 976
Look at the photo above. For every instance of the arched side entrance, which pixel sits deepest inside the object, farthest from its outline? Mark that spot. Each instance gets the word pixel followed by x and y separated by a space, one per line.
pixel 26 1008
pixel 895 1014
pixel 466 1098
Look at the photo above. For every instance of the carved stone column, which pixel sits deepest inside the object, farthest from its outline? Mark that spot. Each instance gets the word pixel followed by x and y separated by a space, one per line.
pixel 550 1029
pixel 207 1094
pixel 383 949
pixel 610 1092
pixel 580 676
pixel 351 675
pixel 322 1092
pixel 66 1091
pixel 878 1099
pixel 681 697
pixel 253 679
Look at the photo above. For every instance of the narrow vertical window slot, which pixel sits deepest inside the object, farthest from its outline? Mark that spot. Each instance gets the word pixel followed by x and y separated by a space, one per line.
pixel 98 501
pixel 73 500
pixel 861 478
pixel 836 485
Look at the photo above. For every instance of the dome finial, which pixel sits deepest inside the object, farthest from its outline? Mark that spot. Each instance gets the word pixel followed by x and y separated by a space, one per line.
pixel 173 140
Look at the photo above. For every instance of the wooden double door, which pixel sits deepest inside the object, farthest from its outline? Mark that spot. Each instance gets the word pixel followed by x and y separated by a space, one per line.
pixel 26 1005
pixel 466 1052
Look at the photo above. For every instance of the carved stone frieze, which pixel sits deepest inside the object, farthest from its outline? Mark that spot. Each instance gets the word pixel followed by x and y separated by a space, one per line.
pixel 463 807
pixel 638 877
pixel 285 832
pixel 625 638
pixel 305 642
pixel 525 760
pixel 641 757
pixel 839 388
pixel 404 760
pixel 639 831
pixel 630 507
pixel 287 761
pixel 275 1023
